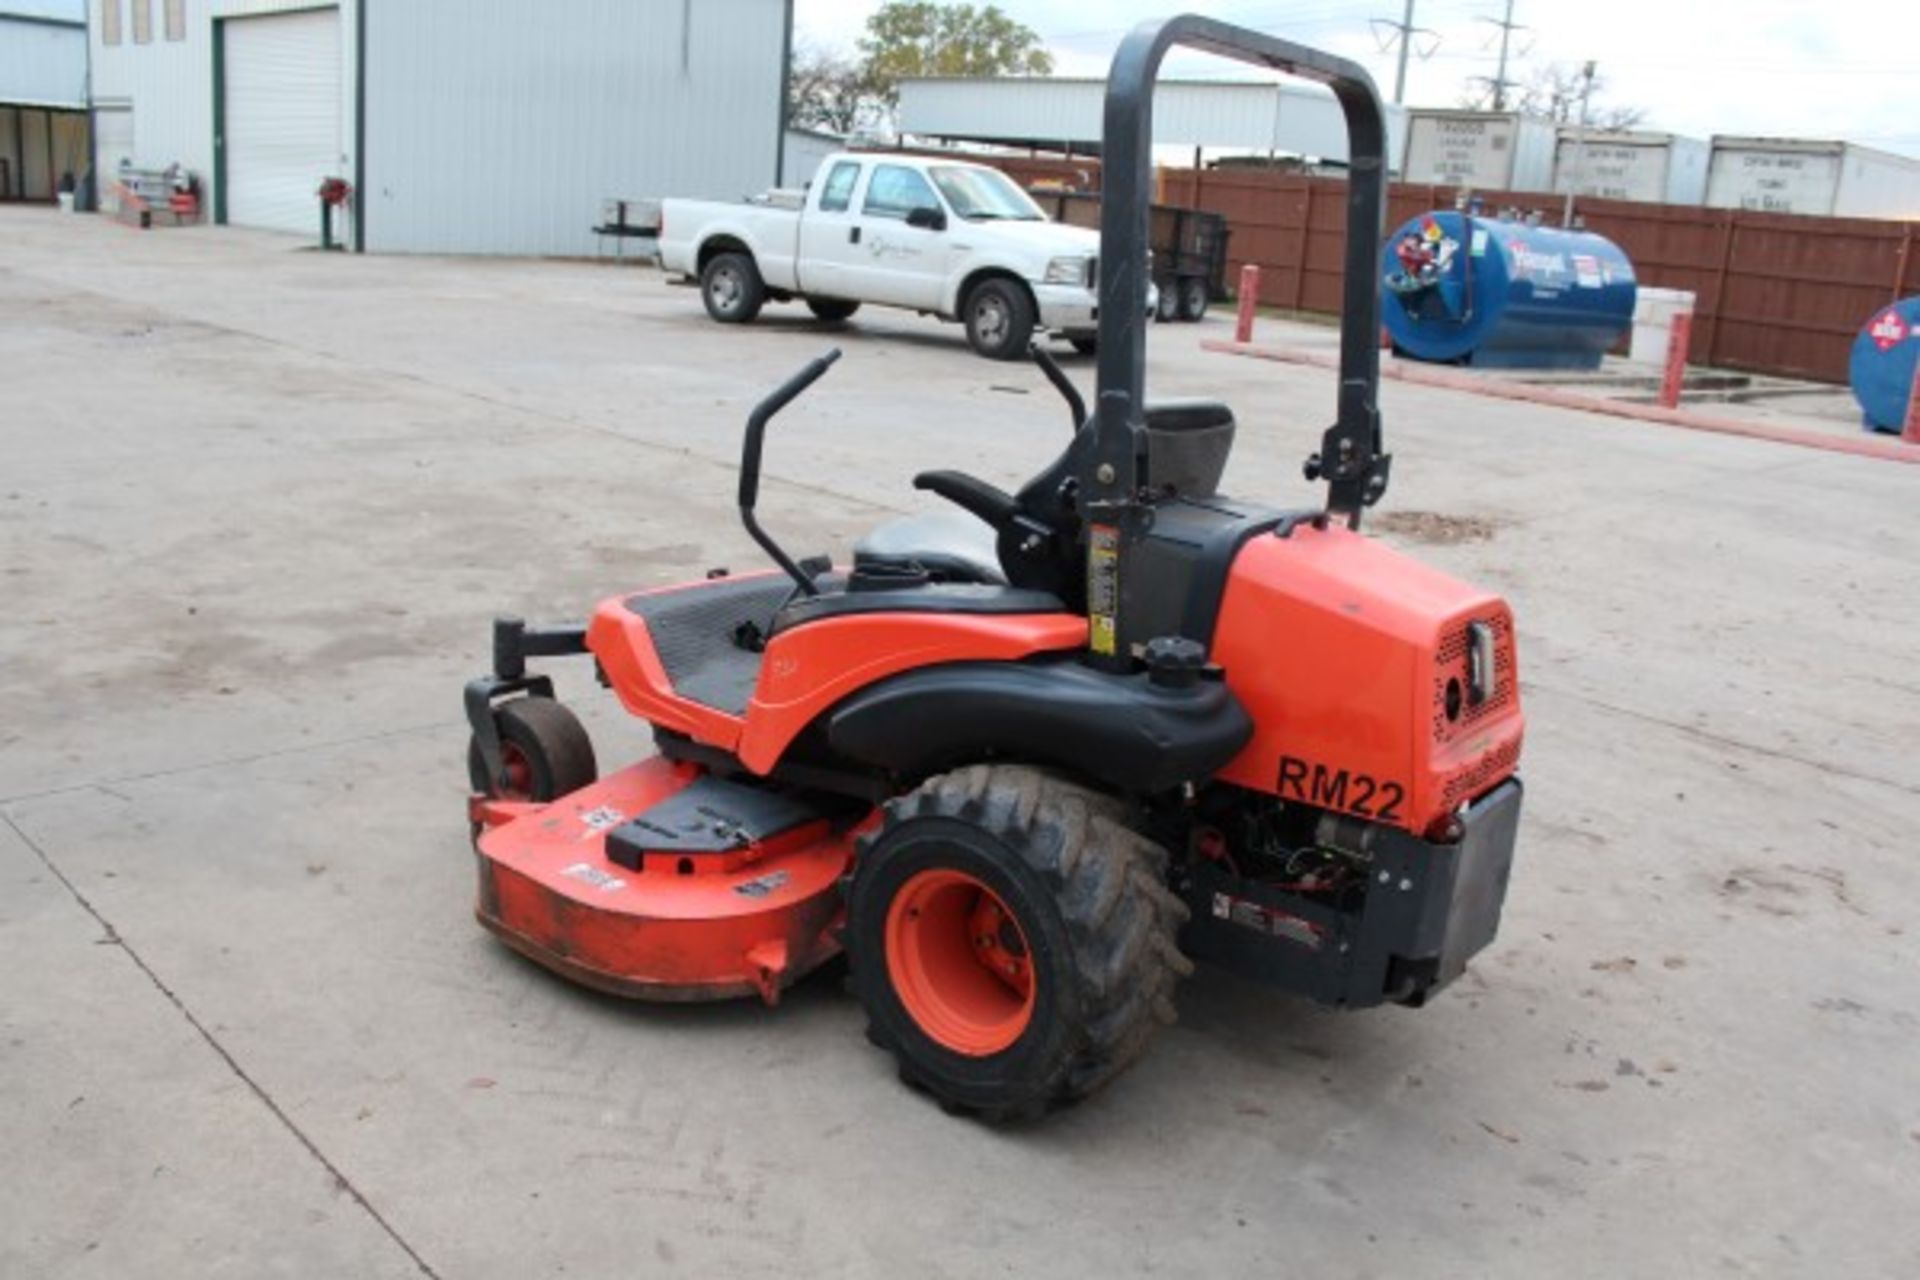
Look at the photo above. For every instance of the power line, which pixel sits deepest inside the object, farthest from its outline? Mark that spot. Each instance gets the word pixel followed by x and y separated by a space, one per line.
pixel 1403 33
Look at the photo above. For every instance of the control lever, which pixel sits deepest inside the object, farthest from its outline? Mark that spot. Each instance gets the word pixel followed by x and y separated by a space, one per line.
pixel 750 452
pixel 1061 383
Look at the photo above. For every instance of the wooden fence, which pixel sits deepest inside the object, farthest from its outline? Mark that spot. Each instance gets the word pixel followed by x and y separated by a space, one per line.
pixel 1776 293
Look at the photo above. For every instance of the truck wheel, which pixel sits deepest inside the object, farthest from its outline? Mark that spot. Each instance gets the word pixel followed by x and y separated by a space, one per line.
pixel 832 310
pixel 545 749
pixel 1012 943
pixel 1194 297
pixel 1167 308
pixel 999 317
pixel 731 287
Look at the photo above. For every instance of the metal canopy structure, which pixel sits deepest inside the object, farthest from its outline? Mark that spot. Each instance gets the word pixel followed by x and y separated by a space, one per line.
pixel 1065 114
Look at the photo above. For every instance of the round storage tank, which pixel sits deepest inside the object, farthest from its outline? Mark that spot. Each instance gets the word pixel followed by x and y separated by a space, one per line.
pixel 1884 358
pixel 1466 289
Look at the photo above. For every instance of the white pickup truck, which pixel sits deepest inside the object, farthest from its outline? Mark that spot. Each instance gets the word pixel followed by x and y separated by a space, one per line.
pixel 942 237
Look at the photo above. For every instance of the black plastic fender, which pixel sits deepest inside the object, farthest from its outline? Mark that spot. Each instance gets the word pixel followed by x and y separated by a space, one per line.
pixel 1123 730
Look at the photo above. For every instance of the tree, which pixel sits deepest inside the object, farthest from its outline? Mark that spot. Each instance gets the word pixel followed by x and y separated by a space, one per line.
pixel 917 38
pixel 827 91
pixel 1552 92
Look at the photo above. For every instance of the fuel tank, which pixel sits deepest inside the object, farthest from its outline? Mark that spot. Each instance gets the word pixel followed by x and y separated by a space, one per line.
pixel 1500 293
pixel 1378 686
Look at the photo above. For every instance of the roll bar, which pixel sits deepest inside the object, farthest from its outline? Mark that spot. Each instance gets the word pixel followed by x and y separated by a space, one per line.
pixel 1350 457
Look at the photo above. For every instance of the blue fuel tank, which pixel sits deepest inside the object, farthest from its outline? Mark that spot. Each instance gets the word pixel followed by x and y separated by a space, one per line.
pixel 1884 357
pixel 1464 288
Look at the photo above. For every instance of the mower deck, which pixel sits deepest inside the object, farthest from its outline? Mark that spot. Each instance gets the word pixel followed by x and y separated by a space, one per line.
pixel 718 896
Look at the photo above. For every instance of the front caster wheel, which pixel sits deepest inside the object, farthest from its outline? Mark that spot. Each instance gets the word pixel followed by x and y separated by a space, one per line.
pixel 544 752
pixel 1012 943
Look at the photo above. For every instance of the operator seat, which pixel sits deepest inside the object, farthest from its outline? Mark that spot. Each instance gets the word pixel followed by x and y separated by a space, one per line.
pixel 1186 448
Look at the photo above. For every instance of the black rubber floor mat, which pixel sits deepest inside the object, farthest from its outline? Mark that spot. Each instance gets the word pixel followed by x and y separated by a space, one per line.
pixel 692 631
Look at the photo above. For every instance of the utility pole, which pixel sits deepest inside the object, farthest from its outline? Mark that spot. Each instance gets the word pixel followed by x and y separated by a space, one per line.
pixel 1579 144
pixel 1500 82
pixel 1403 33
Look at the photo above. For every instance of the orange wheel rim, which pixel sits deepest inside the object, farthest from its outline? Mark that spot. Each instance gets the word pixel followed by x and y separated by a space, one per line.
pixel 959 962
pixel 519 773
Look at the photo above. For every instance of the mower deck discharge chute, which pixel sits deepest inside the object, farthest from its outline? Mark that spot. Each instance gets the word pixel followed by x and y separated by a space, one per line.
pixel 1026 765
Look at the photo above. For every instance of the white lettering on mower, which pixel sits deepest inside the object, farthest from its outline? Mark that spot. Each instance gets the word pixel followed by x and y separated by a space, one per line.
pixel 605 818
pixel 595 877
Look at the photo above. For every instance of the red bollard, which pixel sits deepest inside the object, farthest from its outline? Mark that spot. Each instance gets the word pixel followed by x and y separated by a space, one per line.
pixel 1911 433
pixel 1679 334
pixel 1249 299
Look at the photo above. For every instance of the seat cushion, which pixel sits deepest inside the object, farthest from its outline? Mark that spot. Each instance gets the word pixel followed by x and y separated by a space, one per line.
pixel 950 545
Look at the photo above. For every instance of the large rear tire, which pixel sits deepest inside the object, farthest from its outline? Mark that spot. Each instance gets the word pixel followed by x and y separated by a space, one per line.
pixel 1011 941
pixel 731 286
pixel 999 315
pixel 545 749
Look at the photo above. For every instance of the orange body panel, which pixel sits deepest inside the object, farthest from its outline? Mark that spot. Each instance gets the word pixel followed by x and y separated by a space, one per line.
pixel 740 924
pixel 1340 648
pixel 808 669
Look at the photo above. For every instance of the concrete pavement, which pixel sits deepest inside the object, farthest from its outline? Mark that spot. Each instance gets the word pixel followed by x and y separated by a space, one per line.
pixel 256 507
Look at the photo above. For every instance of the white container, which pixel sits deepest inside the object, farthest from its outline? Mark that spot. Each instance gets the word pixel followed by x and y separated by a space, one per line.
pixel 66 201
pixel 1479 150
pixel 1659 168
pixel 1797 175
pixel 1653 313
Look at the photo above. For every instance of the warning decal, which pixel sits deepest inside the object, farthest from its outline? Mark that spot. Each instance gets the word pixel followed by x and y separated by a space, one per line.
pixel 1887 329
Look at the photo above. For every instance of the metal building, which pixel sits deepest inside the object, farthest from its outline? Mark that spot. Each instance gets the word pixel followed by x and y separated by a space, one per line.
pixel 465 126
pixel 1058 113
pixel 43 97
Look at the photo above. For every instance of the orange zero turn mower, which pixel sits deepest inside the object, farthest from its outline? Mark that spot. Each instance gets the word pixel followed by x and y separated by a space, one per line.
pixel 1027 766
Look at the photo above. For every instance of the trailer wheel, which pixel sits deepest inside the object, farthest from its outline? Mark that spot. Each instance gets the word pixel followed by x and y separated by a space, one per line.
pixel 545 751
pixel 731 286
pixel 999 318
pixel 1194 297
pixel 1167 308
pixel 832 310
pixel 1011 941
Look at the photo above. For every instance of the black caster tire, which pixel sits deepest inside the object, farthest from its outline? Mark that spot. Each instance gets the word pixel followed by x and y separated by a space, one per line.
pixel 544 748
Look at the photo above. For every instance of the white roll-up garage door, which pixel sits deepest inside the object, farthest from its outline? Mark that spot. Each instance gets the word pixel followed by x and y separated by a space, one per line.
pixel 283 101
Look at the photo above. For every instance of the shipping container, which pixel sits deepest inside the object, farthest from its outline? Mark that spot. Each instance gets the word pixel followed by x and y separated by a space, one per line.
pixel 1824 178
pixel 1480 150
pixel 1658 168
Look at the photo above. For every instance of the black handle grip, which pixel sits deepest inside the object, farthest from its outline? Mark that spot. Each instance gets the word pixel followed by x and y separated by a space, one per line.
pixel 995 506
pixel 780 398
pixel 1061 383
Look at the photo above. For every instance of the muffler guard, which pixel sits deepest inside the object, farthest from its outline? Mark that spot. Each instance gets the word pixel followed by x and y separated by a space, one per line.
pixel 745 916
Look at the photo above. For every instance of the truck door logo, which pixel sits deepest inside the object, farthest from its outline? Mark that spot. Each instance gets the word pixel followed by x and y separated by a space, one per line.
pixel 1343 789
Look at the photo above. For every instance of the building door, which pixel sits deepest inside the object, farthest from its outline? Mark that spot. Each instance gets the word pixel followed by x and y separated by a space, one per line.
pixel 113 143
pixel 282 117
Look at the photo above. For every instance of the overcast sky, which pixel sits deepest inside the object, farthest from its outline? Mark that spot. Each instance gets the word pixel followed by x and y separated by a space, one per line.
pixel 1834 69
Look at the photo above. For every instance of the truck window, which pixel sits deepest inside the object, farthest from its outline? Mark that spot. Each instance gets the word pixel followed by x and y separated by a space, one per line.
pixel 894 191
pixel 837 192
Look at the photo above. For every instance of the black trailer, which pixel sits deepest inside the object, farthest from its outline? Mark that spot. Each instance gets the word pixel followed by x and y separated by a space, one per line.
pixel 1189 248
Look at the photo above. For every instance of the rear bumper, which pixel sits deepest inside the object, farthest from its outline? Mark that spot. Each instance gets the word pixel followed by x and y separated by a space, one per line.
pixel 1428 909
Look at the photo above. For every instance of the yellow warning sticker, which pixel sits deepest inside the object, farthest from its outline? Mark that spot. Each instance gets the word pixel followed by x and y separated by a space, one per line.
pixel 1103 588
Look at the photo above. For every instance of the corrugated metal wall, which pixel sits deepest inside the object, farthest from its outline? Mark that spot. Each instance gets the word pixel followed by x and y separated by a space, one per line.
pixel 499 126
pixel 41 64
pixel 168 84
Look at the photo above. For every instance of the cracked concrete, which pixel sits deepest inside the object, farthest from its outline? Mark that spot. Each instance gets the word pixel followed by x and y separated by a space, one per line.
pixel 256 508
